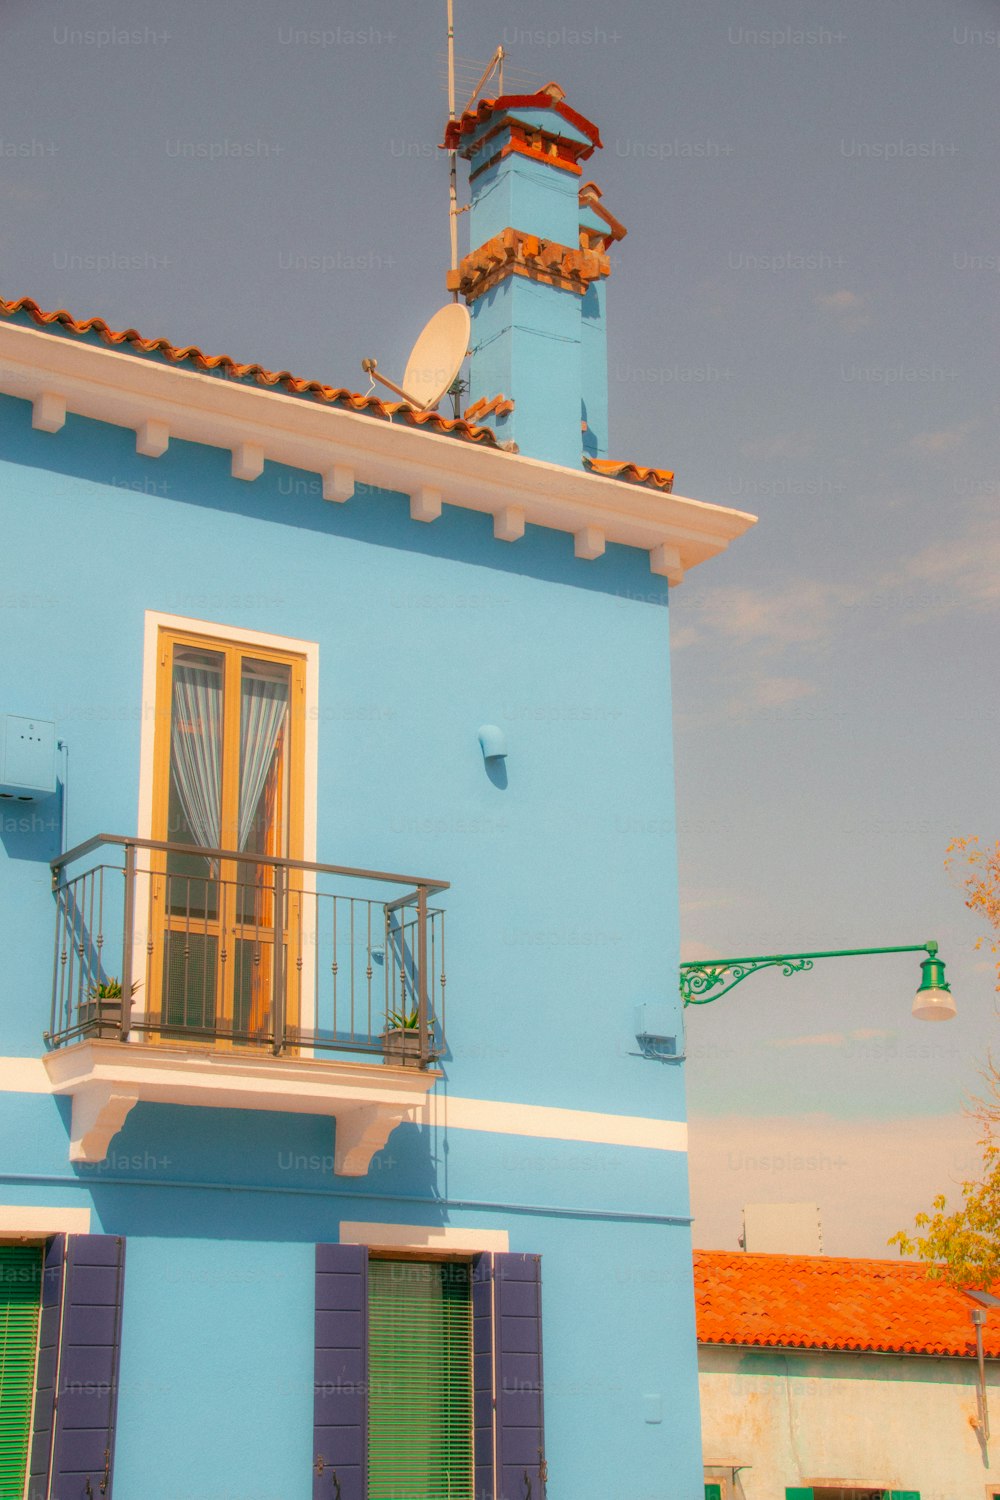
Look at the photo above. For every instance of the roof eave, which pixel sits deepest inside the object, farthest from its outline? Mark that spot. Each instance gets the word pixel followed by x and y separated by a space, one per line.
pixel 160 402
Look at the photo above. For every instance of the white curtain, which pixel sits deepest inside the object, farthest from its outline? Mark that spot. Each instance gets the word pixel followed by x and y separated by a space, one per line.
pixel 263 706
pixel 196 750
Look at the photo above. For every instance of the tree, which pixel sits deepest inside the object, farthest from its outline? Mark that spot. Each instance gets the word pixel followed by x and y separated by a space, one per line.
pixel 962 1244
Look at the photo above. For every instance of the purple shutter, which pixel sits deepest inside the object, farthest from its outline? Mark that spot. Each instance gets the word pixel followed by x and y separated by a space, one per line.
pixel 340 1411
pixel 517 1332
pixel 45 1370
pixel 482 1374
pixel 87 1369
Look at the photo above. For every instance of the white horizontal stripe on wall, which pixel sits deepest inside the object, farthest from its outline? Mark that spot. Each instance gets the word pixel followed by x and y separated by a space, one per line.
pixel 546 1123
pixel 27 1075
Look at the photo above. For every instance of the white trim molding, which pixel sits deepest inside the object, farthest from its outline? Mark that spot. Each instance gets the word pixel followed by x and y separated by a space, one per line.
pixel 26 1222
pixel 544 1122
pixel 106 1080
pixel 447 1237
pixel 234 1076
pixel 59 375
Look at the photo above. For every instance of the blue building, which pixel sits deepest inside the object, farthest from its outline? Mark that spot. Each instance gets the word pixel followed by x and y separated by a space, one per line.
pixel 341 1067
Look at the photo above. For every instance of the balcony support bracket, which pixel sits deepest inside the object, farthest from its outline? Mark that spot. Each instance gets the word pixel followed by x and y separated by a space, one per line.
pixel 360 1133
pixel 99 1112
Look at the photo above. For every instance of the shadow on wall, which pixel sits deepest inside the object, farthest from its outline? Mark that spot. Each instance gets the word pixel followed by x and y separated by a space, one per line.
pixel 195 475
pixel 32 830
pixel 180 1172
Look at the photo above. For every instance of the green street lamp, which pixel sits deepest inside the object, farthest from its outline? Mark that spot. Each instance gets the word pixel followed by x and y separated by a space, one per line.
pixel 710 979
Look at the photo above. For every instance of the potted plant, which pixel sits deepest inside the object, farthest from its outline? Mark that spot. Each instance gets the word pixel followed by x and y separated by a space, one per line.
pixel 401 1038
pixel 103 1005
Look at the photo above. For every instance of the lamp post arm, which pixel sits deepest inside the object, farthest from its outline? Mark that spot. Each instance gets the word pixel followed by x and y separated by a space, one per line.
pixel 720 975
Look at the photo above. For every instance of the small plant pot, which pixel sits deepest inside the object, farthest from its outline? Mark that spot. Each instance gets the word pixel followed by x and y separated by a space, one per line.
pixel 101 1017
pixel 401 1046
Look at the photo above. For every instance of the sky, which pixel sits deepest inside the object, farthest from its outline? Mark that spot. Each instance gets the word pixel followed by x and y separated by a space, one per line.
pixel 803 323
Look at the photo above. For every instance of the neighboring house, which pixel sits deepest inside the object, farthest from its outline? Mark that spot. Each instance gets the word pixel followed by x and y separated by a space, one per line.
pixel 311 669
pixel 840 1380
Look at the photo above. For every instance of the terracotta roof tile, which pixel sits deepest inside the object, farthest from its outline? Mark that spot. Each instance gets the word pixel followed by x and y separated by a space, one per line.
pixel 252 374
pixel 549 97
pixel 825 1302
pixel 500 405
pixel 612 468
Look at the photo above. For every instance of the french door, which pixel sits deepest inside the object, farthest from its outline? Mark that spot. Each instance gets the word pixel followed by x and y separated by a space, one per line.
pixel 228 774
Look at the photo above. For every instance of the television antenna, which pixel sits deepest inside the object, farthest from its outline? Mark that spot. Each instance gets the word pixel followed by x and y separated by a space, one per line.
pixel 435 358
pixel 495 65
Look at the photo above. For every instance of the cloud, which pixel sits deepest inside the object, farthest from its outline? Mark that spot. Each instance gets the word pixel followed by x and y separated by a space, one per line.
pixel 791 614
pixel 848 308
pixel 960 571
pixel 683 635
pixel 698 953
pixel 821 1039
pixel 796 620
pixel 760 690
pixel 869 1176
pixel 945 440
pixel 834 1038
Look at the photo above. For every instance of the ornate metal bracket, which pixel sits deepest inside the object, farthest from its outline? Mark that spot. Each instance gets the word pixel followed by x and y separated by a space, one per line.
pixel 698 979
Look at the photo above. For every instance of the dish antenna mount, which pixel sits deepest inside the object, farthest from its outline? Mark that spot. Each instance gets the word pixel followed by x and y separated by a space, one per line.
pixel 434 361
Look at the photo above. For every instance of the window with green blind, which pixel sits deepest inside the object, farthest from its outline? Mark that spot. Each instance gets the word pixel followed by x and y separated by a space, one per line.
pixel 419 1380
pixel 20 1302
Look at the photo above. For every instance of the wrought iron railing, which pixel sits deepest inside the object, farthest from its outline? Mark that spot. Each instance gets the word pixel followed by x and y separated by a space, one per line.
pixel 166 942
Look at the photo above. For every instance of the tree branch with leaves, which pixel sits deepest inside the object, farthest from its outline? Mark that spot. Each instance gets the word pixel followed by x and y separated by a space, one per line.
pixel 962 1244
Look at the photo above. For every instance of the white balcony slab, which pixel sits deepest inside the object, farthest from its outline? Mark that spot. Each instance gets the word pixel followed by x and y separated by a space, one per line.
pixel 106 1079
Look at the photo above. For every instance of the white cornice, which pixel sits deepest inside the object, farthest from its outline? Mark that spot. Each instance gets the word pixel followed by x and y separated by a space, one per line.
pixel 158 402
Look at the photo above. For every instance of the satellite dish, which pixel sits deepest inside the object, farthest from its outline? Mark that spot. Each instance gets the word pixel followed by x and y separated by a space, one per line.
pixel 435 358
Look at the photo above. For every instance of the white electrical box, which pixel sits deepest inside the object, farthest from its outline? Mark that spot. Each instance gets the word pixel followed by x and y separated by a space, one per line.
pixel 27 759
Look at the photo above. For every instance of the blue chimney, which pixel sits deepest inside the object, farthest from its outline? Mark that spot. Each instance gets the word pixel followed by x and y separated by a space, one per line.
pixel 535 281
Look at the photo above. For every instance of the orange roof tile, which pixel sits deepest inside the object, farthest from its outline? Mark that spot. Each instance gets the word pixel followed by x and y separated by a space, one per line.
pixel 549 97
pixel 826 1302
pixel 612 468
pixel 590 197
pixel 500 404
pixel 333 395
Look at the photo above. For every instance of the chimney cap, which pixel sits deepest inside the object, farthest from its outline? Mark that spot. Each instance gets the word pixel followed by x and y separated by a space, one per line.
pixel 550 97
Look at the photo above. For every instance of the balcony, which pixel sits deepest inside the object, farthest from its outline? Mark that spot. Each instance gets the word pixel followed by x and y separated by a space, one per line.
pixel 188 975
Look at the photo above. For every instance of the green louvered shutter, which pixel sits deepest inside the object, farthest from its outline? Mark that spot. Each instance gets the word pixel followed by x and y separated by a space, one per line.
pixel 20 1303
pixel 713 1492
pixel 419 1381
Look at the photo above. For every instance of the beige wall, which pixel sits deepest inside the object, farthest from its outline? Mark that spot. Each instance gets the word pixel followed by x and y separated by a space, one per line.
pixel 795 1418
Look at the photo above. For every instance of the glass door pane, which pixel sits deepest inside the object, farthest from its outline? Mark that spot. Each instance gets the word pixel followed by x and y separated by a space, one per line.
pixel 263 829
pixel 193 894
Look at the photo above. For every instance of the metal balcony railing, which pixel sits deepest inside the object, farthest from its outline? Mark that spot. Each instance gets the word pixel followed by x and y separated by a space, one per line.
pixel 166 942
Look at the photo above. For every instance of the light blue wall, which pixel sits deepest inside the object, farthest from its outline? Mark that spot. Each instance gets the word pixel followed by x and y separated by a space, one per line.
pixel 594 369
pixel 526 343
pixel 562 912
pixel 217 1335
pixel 562 916
pixel 520 193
